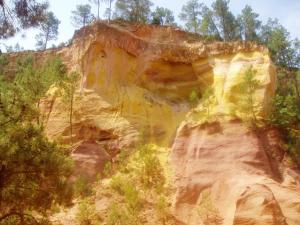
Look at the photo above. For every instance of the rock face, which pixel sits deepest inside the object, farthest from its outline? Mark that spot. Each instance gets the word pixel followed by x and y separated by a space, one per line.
pixel 136 86
pixel 235 165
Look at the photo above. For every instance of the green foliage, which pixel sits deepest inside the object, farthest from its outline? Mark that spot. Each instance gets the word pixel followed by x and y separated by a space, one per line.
pixel 68 86
pixel 193 98
pixel 119 216
pixel 3 63
pixel 207 211
pixel 163 16
pixel 117 183
pixel 133 205
pixel 82 16
pixel 249 23
pixel 226 22
pixel 244 98
pixel 191 15
pixel 82 188
pixel 208 26
pixel 48 31
pixel 207 99
pixel 20 14
pixel 86 214
pixel 150 172
pixel 162 209
pixel 33 170
pixel 146 175
pixel 285 113
pixel 285 51
pixel 132 10
pixel 15 48
pixel 132 199
pixel 108 169
pixel 97 2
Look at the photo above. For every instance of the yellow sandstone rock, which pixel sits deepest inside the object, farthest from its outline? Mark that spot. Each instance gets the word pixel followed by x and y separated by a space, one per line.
pixel 135 86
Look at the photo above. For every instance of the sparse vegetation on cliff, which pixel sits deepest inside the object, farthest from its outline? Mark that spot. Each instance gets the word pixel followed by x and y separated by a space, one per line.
pixel 285 113
pixel 244 95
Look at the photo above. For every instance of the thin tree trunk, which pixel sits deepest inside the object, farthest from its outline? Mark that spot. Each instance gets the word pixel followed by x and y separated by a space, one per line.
pixel 109 15
pixel 195 20
pixel 71 115
pixel 294 75
pixel 46 40
pixel 38 116
pixel 98 9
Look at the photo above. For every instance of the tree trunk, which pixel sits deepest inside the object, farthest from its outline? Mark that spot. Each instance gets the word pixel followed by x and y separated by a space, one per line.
pixel 195 20
pixel 71 115
pixel 294 75
pixel 38 115
pixel 46 40
pixel 98 9
pixel 109 15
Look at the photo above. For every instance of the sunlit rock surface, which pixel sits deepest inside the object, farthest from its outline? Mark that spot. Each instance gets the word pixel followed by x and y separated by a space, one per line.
pixel 135 86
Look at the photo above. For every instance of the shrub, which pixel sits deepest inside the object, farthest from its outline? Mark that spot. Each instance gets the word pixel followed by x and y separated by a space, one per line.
pixel 108 169
pixel 207 211
pixel 162 209
pixel 132 198
pixel 151 170
pixel 36 169
pixel 81 187
pixel 86 214
pixel 193 98
pixel 243 97
pixel 117 183
pixel 119 216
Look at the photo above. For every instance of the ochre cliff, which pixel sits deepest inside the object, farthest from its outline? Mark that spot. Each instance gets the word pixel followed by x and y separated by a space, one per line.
pixel 135 86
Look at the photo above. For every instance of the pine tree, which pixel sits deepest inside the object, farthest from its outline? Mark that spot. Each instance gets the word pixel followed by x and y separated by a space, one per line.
pixel 163 16
pixel 285 52
pixel 49 31
pixel 133 10
pixel 34 171
pixel 208 26
pixel 69 86
pixel 227 24
pixel 191 15
pixel 82 16
pixel 249 23
pixel 16 15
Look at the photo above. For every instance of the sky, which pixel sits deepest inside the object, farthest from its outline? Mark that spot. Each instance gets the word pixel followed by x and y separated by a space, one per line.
pixel 287 11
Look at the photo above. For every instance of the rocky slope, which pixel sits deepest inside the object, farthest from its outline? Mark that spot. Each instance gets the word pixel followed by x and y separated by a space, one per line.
pixel 135 86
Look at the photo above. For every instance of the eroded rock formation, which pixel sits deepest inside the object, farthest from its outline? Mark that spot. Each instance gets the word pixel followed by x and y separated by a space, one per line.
pixel 136 81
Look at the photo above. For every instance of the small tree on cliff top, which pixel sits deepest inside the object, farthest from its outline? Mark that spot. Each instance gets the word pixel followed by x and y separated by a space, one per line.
pixel 132 10
pixel 82 16
pixel 191 15
pixel 49 31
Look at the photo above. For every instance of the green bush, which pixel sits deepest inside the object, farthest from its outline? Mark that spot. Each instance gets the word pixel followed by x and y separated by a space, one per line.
pixel 119 216
pixel 132 199
pixel 82 188
pixel 117 183
pixel 108 169
pixel 285 114
pixel 27 157
pixel 151 171
pixel 162 209
pixel 86 214
pixel 193 98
